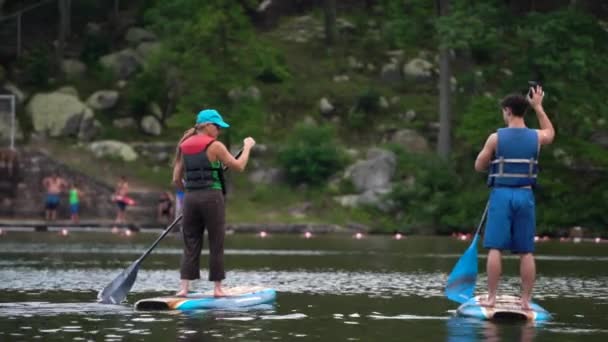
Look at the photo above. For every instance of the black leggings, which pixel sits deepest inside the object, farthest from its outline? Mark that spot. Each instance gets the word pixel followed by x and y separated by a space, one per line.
pixel 203 209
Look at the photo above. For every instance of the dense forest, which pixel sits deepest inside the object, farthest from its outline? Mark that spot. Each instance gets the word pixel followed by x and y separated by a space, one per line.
pixel 317 83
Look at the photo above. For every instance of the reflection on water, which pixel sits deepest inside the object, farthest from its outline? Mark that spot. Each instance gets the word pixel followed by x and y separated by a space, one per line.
pixel 469 330
pixel 328 289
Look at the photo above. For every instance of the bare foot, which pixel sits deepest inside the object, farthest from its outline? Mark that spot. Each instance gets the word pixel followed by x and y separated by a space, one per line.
pixel 182 293
pixel 218 292
pixel 525 305
pixel 488 302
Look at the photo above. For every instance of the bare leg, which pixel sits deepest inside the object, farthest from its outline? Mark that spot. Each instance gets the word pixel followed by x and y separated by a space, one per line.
pixel 494 268
pixel 218 291
pixel 527 271
pixel 47 214
pixel 53 215
pixel 184 287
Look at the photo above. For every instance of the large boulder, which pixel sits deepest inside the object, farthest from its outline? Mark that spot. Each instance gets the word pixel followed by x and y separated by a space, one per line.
pixel 410 140
pixel 112 149
pixel 370 198
pixel 150 125
pixel 136 35
pixel 374 173
pixel 418 69
pixel 103 99
pixel 73 68
pixel 122 63
pixel 57 114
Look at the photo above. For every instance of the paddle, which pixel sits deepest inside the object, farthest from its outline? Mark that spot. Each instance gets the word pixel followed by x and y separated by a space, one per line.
pixel 461 281
pixel 116 291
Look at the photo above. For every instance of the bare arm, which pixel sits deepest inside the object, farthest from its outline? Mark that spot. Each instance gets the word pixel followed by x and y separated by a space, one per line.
pixel 485 156
pixel 546 133
pixel 178 173
pixel 222 154
pixel 218 151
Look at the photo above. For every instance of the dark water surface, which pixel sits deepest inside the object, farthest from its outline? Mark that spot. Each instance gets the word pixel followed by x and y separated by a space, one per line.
pixel 330 288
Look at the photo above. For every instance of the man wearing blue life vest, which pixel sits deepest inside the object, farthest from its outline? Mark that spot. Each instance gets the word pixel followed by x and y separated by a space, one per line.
pixel 198 170
pixel 511 157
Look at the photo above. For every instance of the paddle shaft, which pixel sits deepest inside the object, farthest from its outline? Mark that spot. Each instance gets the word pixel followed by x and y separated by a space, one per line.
pixel 483 218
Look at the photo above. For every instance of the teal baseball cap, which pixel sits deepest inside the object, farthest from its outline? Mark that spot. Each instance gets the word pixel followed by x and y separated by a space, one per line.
pixel 211 116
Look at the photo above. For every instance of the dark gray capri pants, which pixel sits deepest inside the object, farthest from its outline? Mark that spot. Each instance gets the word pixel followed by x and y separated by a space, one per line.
pixel 203 209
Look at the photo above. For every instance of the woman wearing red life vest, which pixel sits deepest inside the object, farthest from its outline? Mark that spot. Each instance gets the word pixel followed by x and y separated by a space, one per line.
pixel 198 170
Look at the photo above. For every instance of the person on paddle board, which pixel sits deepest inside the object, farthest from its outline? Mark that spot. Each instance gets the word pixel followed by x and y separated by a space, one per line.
pixel 511 157
pixel 198 170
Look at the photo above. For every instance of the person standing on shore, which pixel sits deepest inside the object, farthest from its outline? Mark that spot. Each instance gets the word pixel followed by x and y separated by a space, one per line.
pixel 511 155
pixel 198 169
pixel 54 185
pixel 122 200
pixel 74 197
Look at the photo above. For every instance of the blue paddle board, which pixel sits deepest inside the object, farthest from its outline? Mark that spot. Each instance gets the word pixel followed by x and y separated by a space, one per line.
pixel 236 297
pixel 506 308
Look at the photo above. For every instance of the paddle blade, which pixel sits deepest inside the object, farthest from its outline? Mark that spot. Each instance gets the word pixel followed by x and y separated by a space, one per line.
pixel 116 291
pixel 461 281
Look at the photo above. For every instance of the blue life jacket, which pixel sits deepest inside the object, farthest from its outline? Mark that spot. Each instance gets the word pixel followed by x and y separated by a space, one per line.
pixel 515 162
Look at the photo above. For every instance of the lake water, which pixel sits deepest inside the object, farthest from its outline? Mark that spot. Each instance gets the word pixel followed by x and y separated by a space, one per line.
pixel 330 288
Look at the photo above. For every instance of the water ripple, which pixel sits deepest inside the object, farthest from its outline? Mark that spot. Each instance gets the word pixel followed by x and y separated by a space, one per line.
pixel 373 284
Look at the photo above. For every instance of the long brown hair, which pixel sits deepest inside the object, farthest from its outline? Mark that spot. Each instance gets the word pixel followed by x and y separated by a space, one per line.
pixel 187 134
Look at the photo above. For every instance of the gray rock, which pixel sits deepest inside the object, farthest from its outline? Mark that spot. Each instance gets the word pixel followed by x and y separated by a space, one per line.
pixel 418 69
pixel 147 49
pixel 383 102
pixel 325 107
pixel 68 90
pixel 56 114
pixel 113 149
pixel 89 128
pixel 341 78
pixel 251 93
pixel 266 176
pixel 150 125
pixel 410 140
pixel 73 68
pixel 103 99
pixel 390 73
pixel 155 110
pixel 136 35
pixel 123 63
pixel 20 96
pixel 124 123
pixel 373 173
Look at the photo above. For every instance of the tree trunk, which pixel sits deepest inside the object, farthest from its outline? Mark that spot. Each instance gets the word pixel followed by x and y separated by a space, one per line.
pixel 330 22
pixel 445 117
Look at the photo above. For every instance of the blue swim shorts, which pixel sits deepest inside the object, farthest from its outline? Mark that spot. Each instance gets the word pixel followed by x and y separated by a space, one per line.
pixel 511 221
pixel 52 201
pixel 74 208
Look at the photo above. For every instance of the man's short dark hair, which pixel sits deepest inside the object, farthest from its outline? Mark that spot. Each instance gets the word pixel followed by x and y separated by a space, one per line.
pixel 517 103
